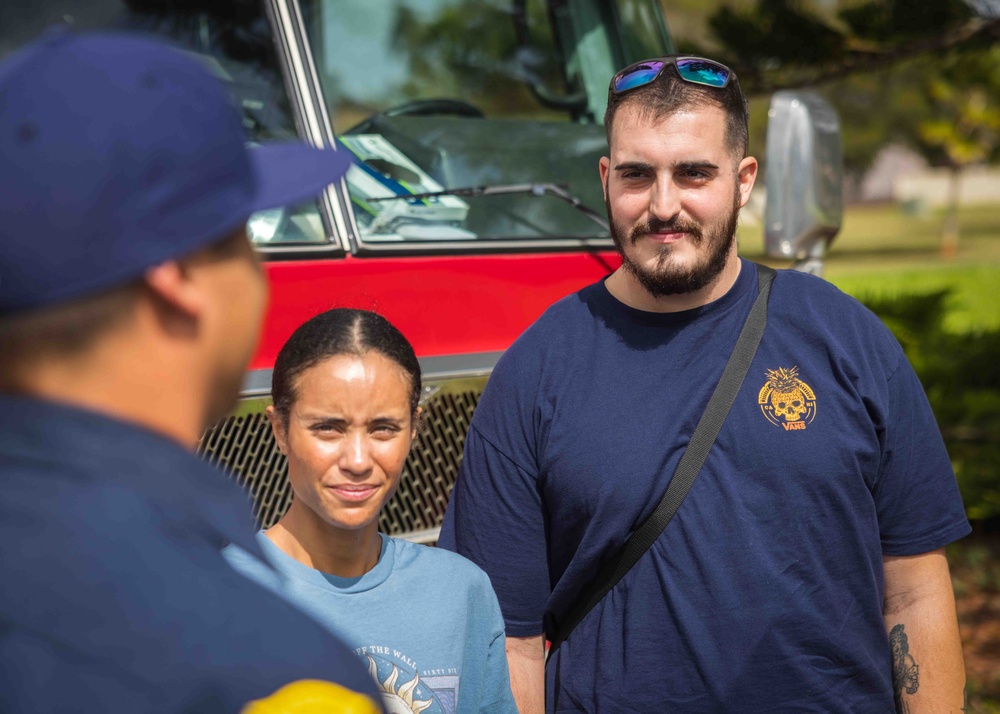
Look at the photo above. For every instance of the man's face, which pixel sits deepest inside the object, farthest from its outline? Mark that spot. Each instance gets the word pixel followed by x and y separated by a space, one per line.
pixel 673 190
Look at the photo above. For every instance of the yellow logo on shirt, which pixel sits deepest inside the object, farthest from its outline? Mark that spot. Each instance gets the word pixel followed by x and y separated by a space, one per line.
pixel 786 400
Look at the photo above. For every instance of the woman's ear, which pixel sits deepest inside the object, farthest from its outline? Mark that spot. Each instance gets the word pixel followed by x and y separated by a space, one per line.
pixel 278 429
pixel 418 423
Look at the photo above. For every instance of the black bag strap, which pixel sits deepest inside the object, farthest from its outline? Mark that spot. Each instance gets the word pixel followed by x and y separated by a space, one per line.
pixel 687 470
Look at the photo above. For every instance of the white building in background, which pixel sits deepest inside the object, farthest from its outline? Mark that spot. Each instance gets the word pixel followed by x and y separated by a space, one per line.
pixel 901 175
pixel 930 187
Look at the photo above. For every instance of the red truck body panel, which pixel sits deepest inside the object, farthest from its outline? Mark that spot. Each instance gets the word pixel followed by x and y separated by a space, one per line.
pixel 445 304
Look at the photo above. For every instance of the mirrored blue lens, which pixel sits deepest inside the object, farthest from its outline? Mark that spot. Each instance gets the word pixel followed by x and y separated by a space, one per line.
pixel 702 71
pixel 637 76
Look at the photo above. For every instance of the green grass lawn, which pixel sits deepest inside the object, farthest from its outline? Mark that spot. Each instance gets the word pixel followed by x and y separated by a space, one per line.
pixel 972 301
pixel 884 252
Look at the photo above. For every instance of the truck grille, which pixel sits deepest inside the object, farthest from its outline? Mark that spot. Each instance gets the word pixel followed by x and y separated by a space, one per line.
pixel 242 445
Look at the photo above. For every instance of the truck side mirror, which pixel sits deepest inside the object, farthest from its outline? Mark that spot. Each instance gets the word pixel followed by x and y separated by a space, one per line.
pixel 805 203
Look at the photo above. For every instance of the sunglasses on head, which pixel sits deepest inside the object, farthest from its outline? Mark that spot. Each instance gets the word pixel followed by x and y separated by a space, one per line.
pixel 696 70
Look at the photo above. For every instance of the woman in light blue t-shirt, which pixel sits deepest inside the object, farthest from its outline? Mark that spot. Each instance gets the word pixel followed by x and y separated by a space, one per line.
pixel 424 621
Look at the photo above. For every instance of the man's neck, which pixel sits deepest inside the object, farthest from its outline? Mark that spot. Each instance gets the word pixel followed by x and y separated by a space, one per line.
pixel 627 289
pixel 119 386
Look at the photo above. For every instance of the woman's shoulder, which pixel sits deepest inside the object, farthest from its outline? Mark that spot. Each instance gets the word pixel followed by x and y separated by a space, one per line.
pixel 239 558
pixel 251 566
pixel 448 568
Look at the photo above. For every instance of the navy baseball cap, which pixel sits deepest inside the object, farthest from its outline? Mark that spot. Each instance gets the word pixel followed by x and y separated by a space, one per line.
pixel 117 153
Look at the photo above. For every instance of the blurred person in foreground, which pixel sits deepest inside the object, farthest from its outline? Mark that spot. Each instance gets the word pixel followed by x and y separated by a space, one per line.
pixel 805 569
pixel 130 304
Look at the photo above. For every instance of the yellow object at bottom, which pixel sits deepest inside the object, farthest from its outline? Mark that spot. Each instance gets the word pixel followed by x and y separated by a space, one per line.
pixel 312 696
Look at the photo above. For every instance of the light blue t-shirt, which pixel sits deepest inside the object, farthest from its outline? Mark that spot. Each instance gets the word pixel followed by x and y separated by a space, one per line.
pixel 425 622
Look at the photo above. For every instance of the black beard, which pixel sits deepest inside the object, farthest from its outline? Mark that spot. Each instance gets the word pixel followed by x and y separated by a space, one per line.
pixel 664 280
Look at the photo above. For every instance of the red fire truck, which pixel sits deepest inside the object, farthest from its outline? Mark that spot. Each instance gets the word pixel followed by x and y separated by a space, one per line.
pixel 473 202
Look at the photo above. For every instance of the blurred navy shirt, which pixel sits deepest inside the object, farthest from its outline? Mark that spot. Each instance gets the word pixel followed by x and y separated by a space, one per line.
pixel 115 596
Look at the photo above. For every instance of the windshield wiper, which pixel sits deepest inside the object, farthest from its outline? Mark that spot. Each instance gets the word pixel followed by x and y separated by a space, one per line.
pixel 531 189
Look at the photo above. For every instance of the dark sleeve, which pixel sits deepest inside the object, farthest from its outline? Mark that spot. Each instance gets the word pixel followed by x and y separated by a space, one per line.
pixel 40 675
pixel 916 494
pixel 495 519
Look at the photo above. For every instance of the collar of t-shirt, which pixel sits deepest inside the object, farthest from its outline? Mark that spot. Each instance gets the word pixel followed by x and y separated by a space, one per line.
pixel 290 567
pixel 617 311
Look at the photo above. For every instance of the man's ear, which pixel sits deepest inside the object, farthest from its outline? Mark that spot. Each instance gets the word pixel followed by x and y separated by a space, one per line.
pixel 604 166
pixel 278 429
pixel 171 282
pixel 746 175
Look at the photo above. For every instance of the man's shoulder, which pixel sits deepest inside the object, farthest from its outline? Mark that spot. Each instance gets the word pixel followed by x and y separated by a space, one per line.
pixel 797 288
pixel 812 298
pixel 808 307
pixel 128 563
pixel 196 630
pixel 61 675
pixel 121 574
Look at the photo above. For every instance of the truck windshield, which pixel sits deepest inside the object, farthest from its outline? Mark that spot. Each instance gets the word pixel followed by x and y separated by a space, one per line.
pixel 429 96
pixel 432 95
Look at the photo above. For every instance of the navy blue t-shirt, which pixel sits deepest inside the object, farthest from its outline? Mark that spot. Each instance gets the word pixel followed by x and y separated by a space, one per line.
pixel 115 596
pixel 764 593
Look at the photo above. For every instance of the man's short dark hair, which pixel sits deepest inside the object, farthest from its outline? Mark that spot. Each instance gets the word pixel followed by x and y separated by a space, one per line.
pixel 668 93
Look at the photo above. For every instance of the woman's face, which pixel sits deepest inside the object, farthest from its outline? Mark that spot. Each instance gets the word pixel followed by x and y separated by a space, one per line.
pixel 348 434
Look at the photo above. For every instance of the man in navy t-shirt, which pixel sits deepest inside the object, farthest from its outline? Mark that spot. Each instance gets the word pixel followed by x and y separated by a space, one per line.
pixel 130 303
pixel 804 571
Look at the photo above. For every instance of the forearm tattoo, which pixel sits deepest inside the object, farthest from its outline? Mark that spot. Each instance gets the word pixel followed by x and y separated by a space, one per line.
pixel 904 668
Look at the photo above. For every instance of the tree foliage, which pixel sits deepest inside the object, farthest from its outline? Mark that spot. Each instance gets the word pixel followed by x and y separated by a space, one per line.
pixel 922 74
pixel 776 44
pixel 963 124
